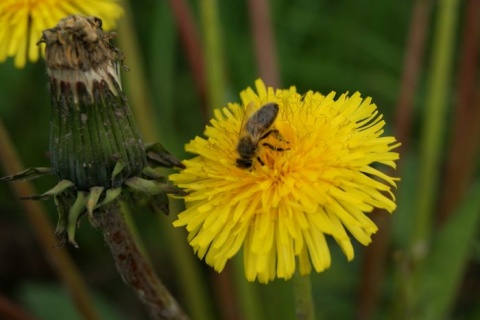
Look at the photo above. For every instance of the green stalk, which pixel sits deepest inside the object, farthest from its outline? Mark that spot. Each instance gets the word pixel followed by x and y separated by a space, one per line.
pixel 250 307
pixel 214 61
pixel 434 118
pixel 431 150
pixel 302 291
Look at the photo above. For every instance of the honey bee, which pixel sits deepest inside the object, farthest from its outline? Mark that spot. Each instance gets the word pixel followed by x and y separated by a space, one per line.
pixel 257 127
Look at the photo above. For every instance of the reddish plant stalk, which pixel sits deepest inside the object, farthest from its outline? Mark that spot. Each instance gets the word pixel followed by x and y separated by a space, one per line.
pixel 9 310
pixel 132 265
pixel 265 49
pixel 226 294
pixel 192 46
pixel 463 147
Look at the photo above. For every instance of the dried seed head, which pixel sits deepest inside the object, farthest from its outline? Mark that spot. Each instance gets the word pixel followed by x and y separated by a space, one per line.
pixel 78 50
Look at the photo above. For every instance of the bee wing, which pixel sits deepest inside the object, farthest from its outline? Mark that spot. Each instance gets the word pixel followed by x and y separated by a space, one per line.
pixel 262 120
pixel 248 112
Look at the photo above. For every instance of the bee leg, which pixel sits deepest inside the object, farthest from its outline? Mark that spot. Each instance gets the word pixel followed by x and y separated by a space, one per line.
pixel 278 136
pixel 272 147
pixel 274 132
pixel 269 146
pixel 261 161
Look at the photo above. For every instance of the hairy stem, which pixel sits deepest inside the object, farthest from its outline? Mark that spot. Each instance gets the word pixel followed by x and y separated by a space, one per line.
pixel 132 265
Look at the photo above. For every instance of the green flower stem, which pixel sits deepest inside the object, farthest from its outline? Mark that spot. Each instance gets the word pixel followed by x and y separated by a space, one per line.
pixel 434 119
pixel 133 266
pixel 250 307
pixel 302 291
pixel 214 63
pixel 59 259
pixel 431 147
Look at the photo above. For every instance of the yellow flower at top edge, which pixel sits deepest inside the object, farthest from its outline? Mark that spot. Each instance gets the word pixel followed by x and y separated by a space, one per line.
pixel 22 23
pixel 311 178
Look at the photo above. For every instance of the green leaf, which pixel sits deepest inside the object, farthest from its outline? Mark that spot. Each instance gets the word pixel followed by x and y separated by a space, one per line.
pixel 152 187
pixel 446 262
pixel 74 214
pixel 157 155
pixel 110 195
pixel 59 188
pixel 93 196
pixel 29 174
pixel 64 202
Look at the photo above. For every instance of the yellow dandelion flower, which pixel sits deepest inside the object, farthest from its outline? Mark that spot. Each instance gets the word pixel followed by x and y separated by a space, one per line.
pixel 22 23
pixel 310 177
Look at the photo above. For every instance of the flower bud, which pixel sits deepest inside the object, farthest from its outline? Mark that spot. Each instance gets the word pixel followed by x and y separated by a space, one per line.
pixel 92 129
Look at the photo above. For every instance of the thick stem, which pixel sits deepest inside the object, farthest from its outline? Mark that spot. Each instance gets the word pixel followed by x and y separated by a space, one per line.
pixel 132 265
pixel 302 290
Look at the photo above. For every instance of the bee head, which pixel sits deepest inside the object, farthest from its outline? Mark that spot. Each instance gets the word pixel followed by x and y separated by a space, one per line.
pixel 244 163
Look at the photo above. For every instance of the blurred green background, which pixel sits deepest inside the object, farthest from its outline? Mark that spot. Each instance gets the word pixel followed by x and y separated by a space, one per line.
pixel 319 45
